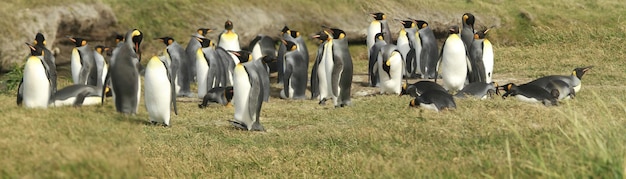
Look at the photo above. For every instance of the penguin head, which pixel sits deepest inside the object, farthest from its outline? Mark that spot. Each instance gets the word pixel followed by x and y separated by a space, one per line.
pixel 421 24
pixel 203 31
pixel 243 56
pixel 291 46
pixel 228 93
pixel 204 42
pixel 379 16
pixel 454 29
pixel 136 37
pixel 379 36
pixel 267 59
pixel 481 34
pixel 118 38
pixel 294 34
pixel 468 19
pixel 508 87
pixel 407 24
pixel 39 39
pixel 78 42
pixel 321 36
pixel 337 33
pixel 494 86
pixel 228 25
pixel 101 49
pixel 34 51
pixel 284 30
pixel 579 72
pixel 166 40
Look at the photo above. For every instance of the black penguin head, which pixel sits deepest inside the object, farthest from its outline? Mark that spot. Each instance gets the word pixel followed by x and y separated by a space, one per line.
pixel 291 46
pixel 337 33
pixel 228 93
pixel 166 40
pixel 579 72
pixel 321 36
pixel 285 30
pixel 494 85
pixel 35 51
pixel 481 34
pixel 203 31
pixel 407 24
pixel 379 36
pixel 268 59
pixel 204 42
pixel 136 37
pixel 118 38
pixel 78 42
pixel 228 25
pixel 39 39
pixel 379 16
pixel 101 49
pixel 243 56
pixel 421 24
pixel 468 19
pixel 508 87
pixel 454 29
pixel 294 33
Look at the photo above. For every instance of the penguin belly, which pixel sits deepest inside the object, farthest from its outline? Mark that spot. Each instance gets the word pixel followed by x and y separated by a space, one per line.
pixel 256 52
pixel 325 71
pixel 404 48
pixel 430 106
pixel 157 92
pixel 526 99
pixel 75 65
pixel 229 41
pixel 36 84
pixel 454 65
pixel 488 60
pixel 374 28
pixel 241 96
pixel 202 70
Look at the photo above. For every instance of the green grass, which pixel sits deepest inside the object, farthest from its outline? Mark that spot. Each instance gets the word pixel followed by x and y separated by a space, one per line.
pixel 377 137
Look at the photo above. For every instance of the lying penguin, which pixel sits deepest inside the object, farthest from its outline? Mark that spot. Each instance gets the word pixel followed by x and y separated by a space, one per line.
pixel 220 95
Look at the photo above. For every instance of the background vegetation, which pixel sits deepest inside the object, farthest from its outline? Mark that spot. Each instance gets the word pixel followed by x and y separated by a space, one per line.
pixel 379 136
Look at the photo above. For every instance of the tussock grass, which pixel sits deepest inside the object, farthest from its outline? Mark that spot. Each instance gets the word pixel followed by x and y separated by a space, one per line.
pixel 379 136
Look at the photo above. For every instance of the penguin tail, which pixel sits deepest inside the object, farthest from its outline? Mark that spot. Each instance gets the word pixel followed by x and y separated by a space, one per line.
pixel 238 125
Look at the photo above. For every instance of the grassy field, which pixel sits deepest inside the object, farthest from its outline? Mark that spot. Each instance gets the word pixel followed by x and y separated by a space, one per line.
pixel 377 137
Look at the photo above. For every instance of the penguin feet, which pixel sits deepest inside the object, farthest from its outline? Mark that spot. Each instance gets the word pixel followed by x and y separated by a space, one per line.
pixel 202 106
pixel 322 102
pixel 154 122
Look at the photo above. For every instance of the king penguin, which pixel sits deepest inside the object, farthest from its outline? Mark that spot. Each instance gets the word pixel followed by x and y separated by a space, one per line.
pixel 263 45
pixel 209 68
pixel 295 76
pixel 418 88
pixel 228 39
pixel 316 72
pixel 101 64
pixel 390 70
pixel 454 62
pixel 341 73
pixel 40 42
pixel 124 73
pixel 248 97
pixel 84 70
pixel 531 94
pixel 430 52
pixel 221 95
pixel 404 44
pixel 434 100
pixel 77 95
pixel 573 80
pixel 480 90
pixel 467 34
pixel 159 90
pixel 175 53
pixel 35 89
pixel 374 57
pixel 378 25
pixel 481 58
pixel 190 50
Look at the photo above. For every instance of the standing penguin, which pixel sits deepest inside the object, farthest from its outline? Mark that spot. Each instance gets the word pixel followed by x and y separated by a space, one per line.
pixel 341 78
pixel 573 80
pixel 531 93
pixel 192 46
pixel 412 59
pixel 35 89
pixel 481 58
pixel 454 61
pixel 378 25
pixel 390 70
pixel 228 39
pixel 263 45
pixel 316 72
pixel 248 97
pixel 40 42
pixel 124 73
pixel 404 44
pixel 209 67
pixel 177 56
pixel 374 58
pixel 434 100
pixel 295 77
pixel 101 64
pixel 84 70
pixel 159 90
pixel 467 34
pixel 430 52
